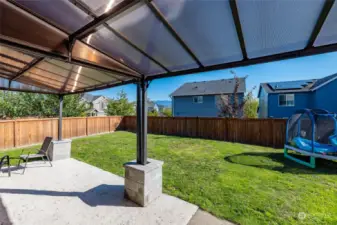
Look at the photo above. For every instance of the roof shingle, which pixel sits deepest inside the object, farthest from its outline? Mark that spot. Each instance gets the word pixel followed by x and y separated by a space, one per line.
pixel 214 87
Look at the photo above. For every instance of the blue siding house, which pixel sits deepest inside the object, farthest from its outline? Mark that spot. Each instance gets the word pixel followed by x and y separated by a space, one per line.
pixel 201 99
pixel 281 99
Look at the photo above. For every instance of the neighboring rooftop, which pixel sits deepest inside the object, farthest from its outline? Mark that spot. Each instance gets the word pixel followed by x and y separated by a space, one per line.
pixel 90 98
pixel 297 85
pixel 149 103
pixel 164 103
pixel 214 87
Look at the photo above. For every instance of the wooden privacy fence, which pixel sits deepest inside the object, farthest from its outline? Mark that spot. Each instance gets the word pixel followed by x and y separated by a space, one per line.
pixel 16 133
pixel 264 132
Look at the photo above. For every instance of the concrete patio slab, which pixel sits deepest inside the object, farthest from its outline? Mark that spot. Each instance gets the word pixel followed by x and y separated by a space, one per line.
pixel 73 192
pixel 205 218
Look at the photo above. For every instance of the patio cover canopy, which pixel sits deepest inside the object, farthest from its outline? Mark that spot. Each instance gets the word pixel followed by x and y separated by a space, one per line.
pixel 74 46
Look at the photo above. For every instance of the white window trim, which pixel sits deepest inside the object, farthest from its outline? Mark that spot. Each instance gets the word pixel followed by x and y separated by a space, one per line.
pixel 200 99
pixel 287 95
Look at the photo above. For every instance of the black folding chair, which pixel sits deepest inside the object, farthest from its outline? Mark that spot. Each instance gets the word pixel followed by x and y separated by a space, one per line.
pixel 41 154
pixel 5 161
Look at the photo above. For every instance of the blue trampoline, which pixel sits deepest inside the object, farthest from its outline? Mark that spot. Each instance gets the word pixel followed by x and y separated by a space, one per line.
pixel 312 132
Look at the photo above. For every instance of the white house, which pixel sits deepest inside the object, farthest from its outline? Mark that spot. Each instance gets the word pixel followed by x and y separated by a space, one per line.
pixel 97 104
pixel 151 106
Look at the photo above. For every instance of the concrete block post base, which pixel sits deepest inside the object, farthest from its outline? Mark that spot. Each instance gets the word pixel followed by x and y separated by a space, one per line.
pixel 60 150
pixel 143 183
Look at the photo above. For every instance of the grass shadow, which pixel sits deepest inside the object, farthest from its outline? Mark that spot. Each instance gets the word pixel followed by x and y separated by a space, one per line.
pixel 277 162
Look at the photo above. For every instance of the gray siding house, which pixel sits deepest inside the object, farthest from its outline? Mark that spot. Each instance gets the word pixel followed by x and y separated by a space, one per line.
pixel 151 106
pixel 201 99
pixel 96 103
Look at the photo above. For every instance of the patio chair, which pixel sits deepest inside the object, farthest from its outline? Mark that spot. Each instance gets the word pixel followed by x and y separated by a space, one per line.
pixel 5 161
pixel 41 154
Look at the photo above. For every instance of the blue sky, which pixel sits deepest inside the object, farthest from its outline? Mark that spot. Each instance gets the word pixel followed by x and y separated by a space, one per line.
pixel 293 69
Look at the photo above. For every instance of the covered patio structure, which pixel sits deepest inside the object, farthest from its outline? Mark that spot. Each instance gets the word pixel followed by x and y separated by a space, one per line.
pixel 73 46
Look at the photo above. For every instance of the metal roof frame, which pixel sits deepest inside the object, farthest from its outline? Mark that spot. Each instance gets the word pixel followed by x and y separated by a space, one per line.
pixel 78 36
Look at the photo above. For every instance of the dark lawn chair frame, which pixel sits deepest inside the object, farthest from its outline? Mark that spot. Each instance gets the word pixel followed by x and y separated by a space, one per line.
pixel 41 154
pixel 5 160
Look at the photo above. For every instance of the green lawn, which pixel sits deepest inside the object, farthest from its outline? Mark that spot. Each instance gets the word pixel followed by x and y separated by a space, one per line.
pixel 242 183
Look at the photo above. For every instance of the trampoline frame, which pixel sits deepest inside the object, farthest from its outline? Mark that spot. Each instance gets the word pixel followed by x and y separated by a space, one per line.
pixel 312 154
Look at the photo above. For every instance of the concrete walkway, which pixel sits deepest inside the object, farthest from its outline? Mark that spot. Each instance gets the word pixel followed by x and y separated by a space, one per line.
pixel 204 218
pixel 73 192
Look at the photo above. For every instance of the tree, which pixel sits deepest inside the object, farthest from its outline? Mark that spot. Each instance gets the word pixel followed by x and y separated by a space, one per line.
pixel 167 112
pixel 40 105
pixel 73 106
pixel 153 113
pixel 17 104
pixel 250 108
pixel 120 106
pixel 231 105
pixel 11 105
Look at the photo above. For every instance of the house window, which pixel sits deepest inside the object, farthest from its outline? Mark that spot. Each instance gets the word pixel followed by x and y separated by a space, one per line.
pixel 286 100
pixel 197 99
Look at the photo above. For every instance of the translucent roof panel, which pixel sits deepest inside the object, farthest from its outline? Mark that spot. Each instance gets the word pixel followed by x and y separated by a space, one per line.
pixel 44 80
pixel 95 75
pixel 101 6
pixel 328 33
pixel 20 26
pixel 77 77
pixel 206 27
pixel 4 82
pixel 108 42
pixel 9 68
pixel 272 27
pixel 9 61
pixel 16 56
pixel 6 74
pixel 59 81
pixel 84 52
pixel 142 28
pixel 63 71
pixel 12 62
pixel 30 85
pixel 63 76
pixel 60 12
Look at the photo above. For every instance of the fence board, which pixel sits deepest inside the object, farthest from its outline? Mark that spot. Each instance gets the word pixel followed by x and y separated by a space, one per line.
pixel 115 123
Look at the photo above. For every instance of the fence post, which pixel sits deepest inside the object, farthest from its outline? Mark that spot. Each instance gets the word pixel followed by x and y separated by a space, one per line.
pixel 14 132
pixel 86 127
pixel 197 125
pixel 226 129
pixel 109 124
pixel 273 133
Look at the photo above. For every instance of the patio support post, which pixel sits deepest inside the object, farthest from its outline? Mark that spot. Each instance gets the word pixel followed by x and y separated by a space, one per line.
pixel 143 182
pixel 139 121
pixel 142 122
pixel 60 117
pixel 60 148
